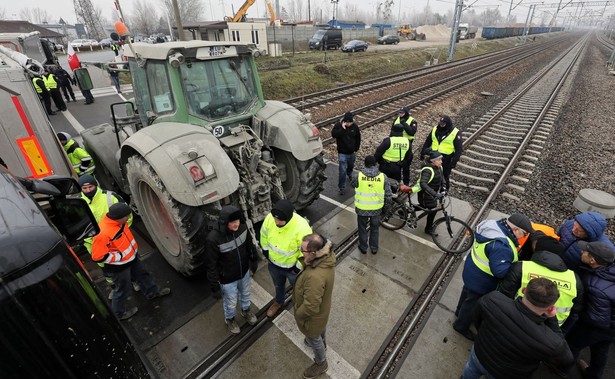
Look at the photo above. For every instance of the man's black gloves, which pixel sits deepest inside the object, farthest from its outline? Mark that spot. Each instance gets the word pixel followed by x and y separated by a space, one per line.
pixel 216 292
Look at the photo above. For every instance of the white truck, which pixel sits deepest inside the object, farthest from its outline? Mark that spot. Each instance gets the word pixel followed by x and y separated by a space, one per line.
pixel 466 31
pixel 32 45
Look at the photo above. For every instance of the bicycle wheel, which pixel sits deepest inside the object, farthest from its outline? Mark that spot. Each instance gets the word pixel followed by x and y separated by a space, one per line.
pixel 452 235
pixel 395 217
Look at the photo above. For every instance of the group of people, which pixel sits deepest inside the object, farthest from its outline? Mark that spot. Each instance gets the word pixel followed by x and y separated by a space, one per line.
pixel 294 254
pixel 51 85
pixel 536 295
pixel 441 151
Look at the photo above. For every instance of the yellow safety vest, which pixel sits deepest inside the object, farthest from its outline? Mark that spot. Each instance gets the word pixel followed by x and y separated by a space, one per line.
pixel 417 186
pixel 480 258
pixel 369 195
pixel 76 155
pixel 284 243
pixel 398 149
pixel 447 145
pixel 36 86
pixel 566 284
pixel 50 82
pixel 408 121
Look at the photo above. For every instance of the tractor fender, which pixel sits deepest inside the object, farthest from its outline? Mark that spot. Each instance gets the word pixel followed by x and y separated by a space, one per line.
pixel 288 129
pixel 101 142
pixel 171 148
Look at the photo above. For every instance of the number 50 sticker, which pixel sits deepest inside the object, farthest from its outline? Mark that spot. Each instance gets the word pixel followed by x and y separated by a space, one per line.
pixel 218 131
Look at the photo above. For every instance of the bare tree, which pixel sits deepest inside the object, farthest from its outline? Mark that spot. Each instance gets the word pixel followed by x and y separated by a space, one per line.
pixel 143 19
pixel 491 17
pixel 3 14
pixel 189 10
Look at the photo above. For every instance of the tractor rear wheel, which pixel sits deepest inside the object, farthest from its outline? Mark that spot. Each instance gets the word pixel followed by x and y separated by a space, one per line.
pixel 304 179
pixel 177 230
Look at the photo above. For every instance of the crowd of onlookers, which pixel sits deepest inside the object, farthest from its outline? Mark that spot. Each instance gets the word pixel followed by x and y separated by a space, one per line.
pixel 532 294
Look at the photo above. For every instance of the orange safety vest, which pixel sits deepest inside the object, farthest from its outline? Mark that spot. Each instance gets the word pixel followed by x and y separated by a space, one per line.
pixel 546 229
pixel 115 244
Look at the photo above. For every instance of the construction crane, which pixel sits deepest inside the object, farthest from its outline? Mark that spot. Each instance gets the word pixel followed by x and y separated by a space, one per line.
pixel 271 13
pixel 240 16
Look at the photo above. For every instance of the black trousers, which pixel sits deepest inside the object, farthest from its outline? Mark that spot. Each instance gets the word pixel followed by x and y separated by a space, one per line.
pixel 46 100
pixel 67 89
pixel 56 95
pixel 396 171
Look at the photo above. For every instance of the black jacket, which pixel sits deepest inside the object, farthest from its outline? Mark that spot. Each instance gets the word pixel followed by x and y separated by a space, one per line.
pixel 441 134
pixel 512 340
pixel 512 282
pixel 228 253
pixel 430 187
pixel 63 77
pixel 348 140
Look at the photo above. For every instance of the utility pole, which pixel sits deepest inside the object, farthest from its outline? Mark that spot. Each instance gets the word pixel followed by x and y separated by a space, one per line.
pixel 309 13
pixel 334 2
pixel 178 21
pixel 455 27
pixel 528 21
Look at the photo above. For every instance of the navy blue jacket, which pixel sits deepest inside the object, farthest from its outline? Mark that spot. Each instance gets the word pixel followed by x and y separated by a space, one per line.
pixel 599 301
pixel 594 225
pixel 498 251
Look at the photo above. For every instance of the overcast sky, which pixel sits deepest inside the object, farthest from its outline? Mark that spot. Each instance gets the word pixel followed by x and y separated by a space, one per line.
pixel 217 9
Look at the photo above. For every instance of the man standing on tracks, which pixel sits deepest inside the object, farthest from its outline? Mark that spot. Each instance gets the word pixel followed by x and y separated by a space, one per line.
pixel 493 253
pixel 371 194
pixel 447 140
pixel 547 264
pixel 80 159
pixel 429 186
pixel 394 155
pixel 514 336
pixel 312 296
pixel 280 238
pixel 348 139
pixel 409 125
pixel 596 325
pixel 116 247
pixel 230 258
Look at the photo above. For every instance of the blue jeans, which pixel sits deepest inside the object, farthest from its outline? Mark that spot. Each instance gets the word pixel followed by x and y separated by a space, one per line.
pixel 345 168
pixel 279 276
pixel 318 346
pixel 122 282
pixel 116 83
pixel 374 226
pixel 584 334
pixel 474 369
pixel 230 291
pixel 465 309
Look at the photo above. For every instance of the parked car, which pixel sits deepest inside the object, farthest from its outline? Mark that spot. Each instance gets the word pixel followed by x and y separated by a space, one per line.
pixel 93 43
pixel 77 43
pixel 389 39
pixel 354 45
pixel 106 42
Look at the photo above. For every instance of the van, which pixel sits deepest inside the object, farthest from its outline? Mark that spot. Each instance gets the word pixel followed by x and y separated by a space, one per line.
pixel 326 39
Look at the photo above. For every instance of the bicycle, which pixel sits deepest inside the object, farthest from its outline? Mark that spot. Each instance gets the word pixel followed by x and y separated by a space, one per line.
pixel 450 234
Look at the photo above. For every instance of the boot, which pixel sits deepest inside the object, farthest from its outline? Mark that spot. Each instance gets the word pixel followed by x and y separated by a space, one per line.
pixel 273 309
pixel 249 316
pixel 232 326
pixel 315 370
pixel 129 313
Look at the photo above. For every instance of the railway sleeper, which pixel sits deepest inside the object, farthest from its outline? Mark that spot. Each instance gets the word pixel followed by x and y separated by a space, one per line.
pixel 533 152
pixel 458 183
pixel 520 178
pixel 474 177
pixel 535 159
pixel 511 197
pixel 502 136
pixel 512 130
pixel 534 146
pixel 498 153
pixel 483 170
pixel 465 157
pixel 487 157
pixel 515 187
pixel 500 144
pixel 499 138
pixel 528 164
pixel 524 171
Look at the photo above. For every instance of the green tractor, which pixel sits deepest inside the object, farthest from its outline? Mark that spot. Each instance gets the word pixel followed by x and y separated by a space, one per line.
pixel 201 137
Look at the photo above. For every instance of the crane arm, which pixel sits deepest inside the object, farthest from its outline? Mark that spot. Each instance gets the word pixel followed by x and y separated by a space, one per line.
pixel 241 13
pixel 271 13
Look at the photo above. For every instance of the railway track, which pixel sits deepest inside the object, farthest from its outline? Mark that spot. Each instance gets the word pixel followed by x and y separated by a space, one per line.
pixel 544 87
pixel 432 88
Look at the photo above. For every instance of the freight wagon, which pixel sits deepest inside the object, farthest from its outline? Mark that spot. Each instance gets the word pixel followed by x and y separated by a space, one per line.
pixel 492 32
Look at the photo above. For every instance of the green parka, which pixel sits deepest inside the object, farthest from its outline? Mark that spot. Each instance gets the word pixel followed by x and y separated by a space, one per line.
pixel 313 292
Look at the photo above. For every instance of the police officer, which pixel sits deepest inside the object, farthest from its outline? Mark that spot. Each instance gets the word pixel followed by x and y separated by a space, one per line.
pixel 43 94
pixel 51 83
pixel 546 264
pixel 394 155
pixel 280 238
pixel 408 123
pixel 115 48
pixel 66 83
pixel 371 194
pixel 429 186
pixel 447 140
pixel 80 159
